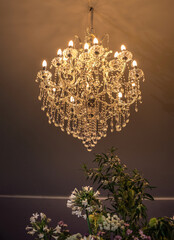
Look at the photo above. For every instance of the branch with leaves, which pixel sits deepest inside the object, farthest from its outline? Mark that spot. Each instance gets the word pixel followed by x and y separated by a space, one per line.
pixel 125 191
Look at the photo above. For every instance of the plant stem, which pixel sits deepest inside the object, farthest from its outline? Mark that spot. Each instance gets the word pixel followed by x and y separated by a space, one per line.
pixel 89 226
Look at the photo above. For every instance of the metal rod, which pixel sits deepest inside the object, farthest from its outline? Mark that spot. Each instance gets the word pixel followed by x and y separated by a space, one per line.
pixel 91 9
pixel 66 197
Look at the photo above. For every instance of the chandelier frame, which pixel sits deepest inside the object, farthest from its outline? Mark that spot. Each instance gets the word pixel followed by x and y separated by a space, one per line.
pixel 90 88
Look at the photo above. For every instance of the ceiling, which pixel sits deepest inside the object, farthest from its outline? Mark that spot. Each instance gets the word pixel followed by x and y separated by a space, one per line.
pixel 37 158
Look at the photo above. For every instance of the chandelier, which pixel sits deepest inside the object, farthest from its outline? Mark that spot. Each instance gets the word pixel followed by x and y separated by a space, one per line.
pixel 90 88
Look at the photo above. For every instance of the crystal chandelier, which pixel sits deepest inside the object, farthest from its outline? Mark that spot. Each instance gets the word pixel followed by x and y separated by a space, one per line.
pixel 90 88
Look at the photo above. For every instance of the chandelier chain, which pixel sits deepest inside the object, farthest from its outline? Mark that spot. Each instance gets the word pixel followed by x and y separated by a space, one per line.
pixel 91 9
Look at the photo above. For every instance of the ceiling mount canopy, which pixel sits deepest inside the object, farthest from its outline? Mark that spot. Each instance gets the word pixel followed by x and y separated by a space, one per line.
pixel 89 88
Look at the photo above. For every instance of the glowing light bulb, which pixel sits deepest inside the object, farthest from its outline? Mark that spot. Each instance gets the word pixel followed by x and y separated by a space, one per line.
pixel 134 63
pixel 54 89
pixel 123 47
pixel 120 95
pixel 70 44
pixel 133 84
pixel 86 46
pixel 44 64
pixel 59 52
pixel 71 99
pixel 87 85
pixel 95 41
pixel 116 55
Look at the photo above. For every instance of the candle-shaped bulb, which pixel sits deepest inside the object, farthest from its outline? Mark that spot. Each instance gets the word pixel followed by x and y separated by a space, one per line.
pixel 123 47
pixel 70 44
pixel 44 64
pixel 120 95
pixel 134 63
pixel 95 41
pixel 59 52
pixel 133 84
pixel 86 46
pixel 116 55
pixel 71 99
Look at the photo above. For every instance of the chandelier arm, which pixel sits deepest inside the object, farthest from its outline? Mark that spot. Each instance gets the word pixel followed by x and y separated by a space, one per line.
pixel 79 40
pixel 105 37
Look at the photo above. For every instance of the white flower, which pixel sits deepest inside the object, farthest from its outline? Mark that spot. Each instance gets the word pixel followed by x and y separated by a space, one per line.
pixel 28 228
pixel 111 223
pixel 89 209
pixel 32 220
pixel 115 217
pixel 75 191
pixel 69 203
pixel 46 229
pixel 78 213
pixel 40 235
pixel 35 215
pixel 107 227
pixel 42 215
pixel 55 237
pixel 57 229
pixel 79 204
pixel 96 194
pixel 73 196
pixel 31 232
pixel 87 188
pixel 85 202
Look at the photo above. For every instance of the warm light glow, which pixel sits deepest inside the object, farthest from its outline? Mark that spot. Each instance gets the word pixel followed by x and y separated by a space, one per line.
pixel 123 47
pixel 64 58
pixel 44 64
pixel 70 44
pixel 134 63
pixel 72 99
pixel 86 46
pixel 86 84
pixel 120 95
pixel 116 55
pixel 59 52
pixel 95 41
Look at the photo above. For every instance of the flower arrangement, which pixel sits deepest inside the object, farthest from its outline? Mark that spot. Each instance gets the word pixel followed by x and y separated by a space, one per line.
pixel 122 215
pixel 39 226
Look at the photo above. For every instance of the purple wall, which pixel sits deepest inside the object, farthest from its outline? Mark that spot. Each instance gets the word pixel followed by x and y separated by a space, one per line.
pixel 38 159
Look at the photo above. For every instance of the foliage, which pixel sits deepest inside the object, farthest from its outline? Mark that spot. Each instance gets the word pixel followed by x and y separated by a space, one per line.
pixel 126 191
pixel 160 228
